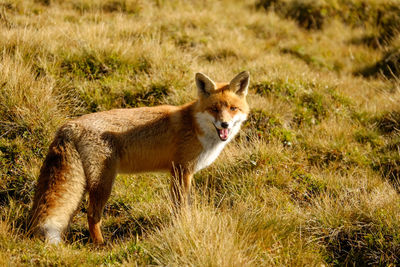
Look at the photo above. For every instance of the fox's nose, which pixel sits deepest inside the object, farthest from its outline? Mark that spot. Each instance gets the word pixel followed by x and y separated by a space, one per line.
pixel 224 125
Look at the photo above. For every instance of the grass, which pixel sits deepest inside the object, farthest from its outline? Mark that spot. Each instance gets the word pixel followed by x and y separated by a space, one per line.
pixel 313 177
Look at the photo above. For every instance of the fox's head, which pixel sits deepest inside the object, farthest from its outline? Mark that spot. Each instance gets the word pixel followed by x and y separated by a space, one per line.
pixel 222 107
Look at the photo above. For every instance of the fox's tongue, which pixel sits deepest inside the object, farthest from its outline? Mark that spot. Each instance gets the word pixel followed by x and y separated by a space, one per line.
pixel 223 134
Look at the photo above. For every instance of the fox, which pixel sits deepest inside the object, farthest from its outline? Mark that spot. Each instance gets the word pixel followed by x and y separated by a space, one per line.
pixel 88 152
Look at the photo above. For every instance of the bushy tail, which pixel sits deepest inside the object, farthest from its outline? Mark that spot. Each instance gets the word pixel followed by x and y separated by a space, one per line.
pixel 60 187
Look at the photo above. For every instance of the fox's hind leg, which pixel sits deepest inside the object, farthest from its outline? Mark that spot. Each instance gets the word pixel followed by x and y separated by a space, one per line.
pixel 98 196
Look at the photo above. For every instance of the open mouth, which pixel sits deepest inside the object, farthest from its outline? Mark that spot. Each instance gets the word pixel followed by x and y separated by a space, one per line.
pixel 222 133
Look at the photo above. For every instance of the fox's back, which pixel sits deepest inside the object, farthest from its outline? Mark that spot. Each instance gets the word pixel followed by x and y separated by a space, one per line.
pixel 140 139
pixel 122 120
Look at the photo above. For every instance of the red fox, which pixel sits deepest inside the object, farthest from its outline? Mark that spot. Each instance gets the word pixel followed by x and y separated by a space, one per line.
pixel 88 152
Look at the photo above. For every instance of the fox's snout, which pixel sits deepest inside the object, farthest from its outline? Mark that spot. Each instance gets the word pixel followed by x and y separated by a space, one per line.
pixel 224 128
pixel 224 124
pixel 223 119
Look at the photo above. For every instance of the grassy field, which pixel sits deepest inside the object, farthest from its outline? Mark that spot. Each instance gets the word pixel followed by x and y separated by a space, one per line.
pixel 311 180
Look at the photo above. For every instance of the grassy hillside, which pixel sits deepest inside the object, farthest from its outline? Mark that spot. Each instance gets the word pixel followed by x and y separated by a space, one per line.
pixel 313 177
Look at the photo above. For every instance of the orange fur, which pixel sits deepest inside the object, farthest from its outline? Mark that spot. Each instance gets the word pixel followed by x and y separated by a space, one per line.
pixel 89 151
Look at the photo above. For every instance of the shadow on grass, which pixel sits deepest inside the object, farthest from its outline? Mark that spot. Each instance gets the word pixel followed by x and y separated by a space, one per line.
pixel 365 245
pixel 129 228
pixel 388 66
pixel 120 229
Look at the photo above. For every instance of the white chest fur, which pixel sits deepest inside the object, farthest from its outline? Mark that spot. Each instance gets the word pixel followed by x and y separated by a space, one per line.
pixel 211 149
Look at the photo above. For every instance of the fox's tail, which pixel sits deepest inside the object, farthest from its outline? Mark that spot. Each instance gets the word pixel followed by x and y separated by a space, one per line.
pixel 60 188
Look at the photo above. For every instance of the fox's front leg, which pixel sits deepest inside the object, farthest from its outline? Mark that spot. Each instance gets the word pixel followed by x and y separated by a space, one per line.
pixel 180 187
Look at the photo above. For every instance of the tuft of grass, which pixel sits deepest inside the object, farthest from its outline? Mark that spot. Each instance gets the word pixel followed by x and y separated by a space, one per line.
pixel 388 66
pixel 220 54
pixel 311 109
pixel 112 6
pixel 310 15
pixel 388 122
pixel 368 137
pixel 203 237
pixel 89 66
pixel 354 237
pixel 386 161
pixel 154 95
pixel 310 59
pixel 285 89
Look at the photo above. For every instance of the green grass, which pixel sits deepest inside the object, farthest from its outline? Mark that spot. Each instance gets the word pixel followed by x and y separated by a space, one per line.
pixel 313 177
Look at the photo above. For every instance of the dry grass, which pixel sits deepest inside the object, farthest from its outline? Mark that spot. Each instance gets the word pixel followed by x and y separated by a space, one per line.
pixel 313 177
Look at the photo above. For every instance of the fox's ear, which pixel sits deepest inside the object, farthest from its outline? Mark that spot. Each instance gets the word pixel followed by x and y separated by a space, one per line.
pixel 240 83
pixel 204 84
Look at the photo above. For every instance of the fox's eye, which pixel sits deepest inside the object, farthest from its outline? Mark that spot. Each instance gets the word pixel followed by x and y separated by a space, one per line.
pixel 214 109
pixel 233 108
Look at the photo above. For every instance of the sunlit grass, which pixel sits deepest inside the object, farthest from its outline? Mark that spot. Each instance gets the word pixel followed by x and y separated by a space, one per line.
pixel 313 177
